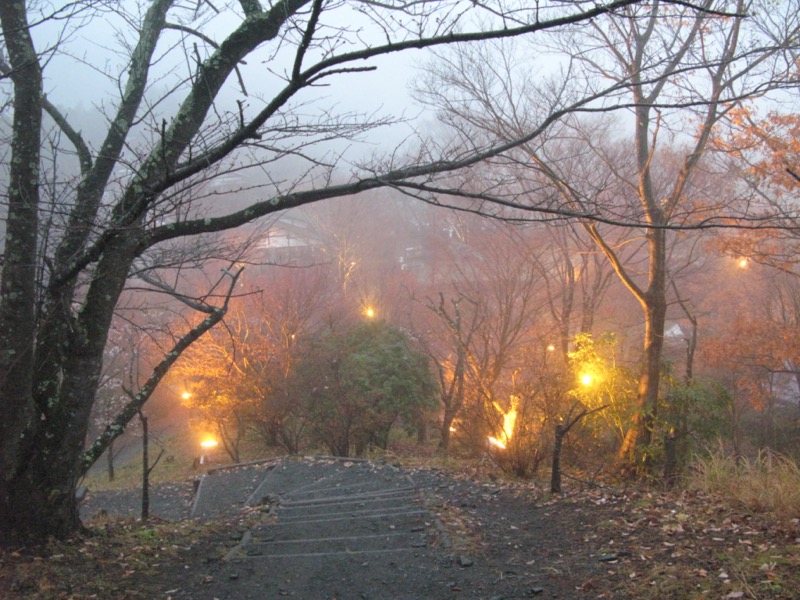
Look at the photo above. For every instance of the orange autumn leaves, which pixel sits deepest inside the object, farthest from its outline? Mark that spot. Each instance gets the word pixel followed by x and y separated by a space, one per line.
pixel 769 145
pixel 751 349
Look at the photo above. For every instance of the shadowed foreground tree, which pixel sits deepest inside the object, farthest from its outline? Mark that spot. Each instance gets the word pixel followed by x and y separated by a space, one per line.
pixel 85 217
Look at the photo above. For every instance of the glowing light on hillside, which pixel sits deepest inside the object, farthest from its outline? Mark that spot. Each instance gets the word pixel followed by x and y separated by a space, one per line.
pixel 495 442
pixel 369 312
pixel 186 395
pixel 743 262
pixel 209 443
pixel 509 421
pixel 551 347
pixel 587 379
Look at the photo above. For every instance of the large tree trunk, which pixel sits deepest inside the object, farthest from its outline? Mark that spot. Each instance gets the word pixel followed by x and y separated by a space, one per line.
pixel 17 291
pixel 634 451
pixel 41 497
pixel 39 490
pixel 446 429
pixel 43 502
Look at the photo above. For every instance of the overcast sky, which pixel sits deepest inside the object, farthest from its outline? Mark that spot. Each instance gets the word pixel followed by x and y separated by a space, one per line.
pixel 74 78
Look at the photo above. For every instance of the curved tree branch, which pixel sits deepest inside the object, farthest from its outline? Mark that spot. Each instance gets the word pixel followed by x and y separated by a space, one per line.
pixel 137 401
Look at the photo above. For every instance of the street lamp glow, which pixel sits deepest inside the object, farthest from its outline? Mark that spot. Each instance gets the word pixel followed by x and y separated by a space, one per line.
pixel 551 348
pixel 586 379
pixel 209 443
pixel 370 312
pixel 497 443
pixel 743 262
pixel 186 395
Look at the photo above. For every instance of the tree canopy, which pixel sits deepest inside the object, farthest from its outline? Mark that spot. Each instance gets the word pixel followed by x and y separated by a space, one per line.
pixel 358 383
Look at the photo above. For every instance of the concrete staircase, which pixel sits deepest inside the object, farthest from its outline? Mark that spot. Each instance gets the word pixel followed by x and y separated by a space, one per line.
pixel 329 528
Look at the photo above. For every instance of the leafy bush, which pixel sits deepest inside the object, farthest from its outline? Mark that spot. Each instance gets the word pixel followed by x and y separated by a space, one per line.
pixel 354 386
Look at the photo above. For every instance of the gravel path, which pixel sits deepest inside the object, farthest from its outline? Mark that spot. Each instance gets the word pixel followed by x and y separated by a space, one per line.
pixel 168 501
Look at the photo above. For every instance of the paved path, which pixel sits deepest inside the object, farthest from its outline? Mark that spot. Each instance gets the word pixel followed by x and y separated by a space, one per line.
pixel 329 528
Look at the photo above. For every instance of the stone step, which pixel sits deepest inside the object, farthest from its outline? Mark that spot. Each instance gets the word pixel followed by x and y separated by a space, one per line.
pixel 408 574
pixel 337 545
pixel 335 494
pixel 286 477
pixel 224 492
pixel 347 506
pixel 349 513
pixel 408 521
pixel 346 483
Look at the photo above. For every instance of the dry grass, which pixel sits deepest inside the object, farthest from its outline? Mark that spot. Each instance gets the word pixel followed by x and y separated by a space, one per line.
pixel 769 483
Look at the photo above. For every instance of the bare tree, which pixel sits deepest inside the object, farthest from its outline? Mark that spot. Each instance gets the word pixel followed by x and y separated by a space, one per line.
pixel 69 255
pixel 450 359
pixel 678 73
pixel 576 279
pixel 484 315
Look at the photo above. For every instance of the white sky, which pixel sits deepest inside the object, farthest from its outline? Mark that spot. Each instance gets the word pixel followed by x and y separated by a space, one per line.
pixel 75 79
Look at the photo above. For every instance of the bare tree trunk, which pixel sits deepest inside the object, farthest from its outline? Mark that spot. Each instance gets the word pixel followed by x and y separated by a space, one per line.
pixel 422 427
pixel 17 292
pixel 634 452
pixel 110 460
pixel 446 429
pixel 555 471
pixel 145 468
pixel 561 431
pixel 231 441
pixel 444 434
pixel 671 457
pixel 674 442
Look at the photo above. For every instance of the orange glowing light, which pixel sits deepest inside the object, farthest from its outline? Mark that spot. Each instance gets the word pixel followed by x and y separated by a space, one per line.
pixel 186 395
pixel 209 443
pixel 509 420
pixel 551 347
pixel 370 312
pixel 495 442
pixel 743 262
pixel 586 379
pixel 452 429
